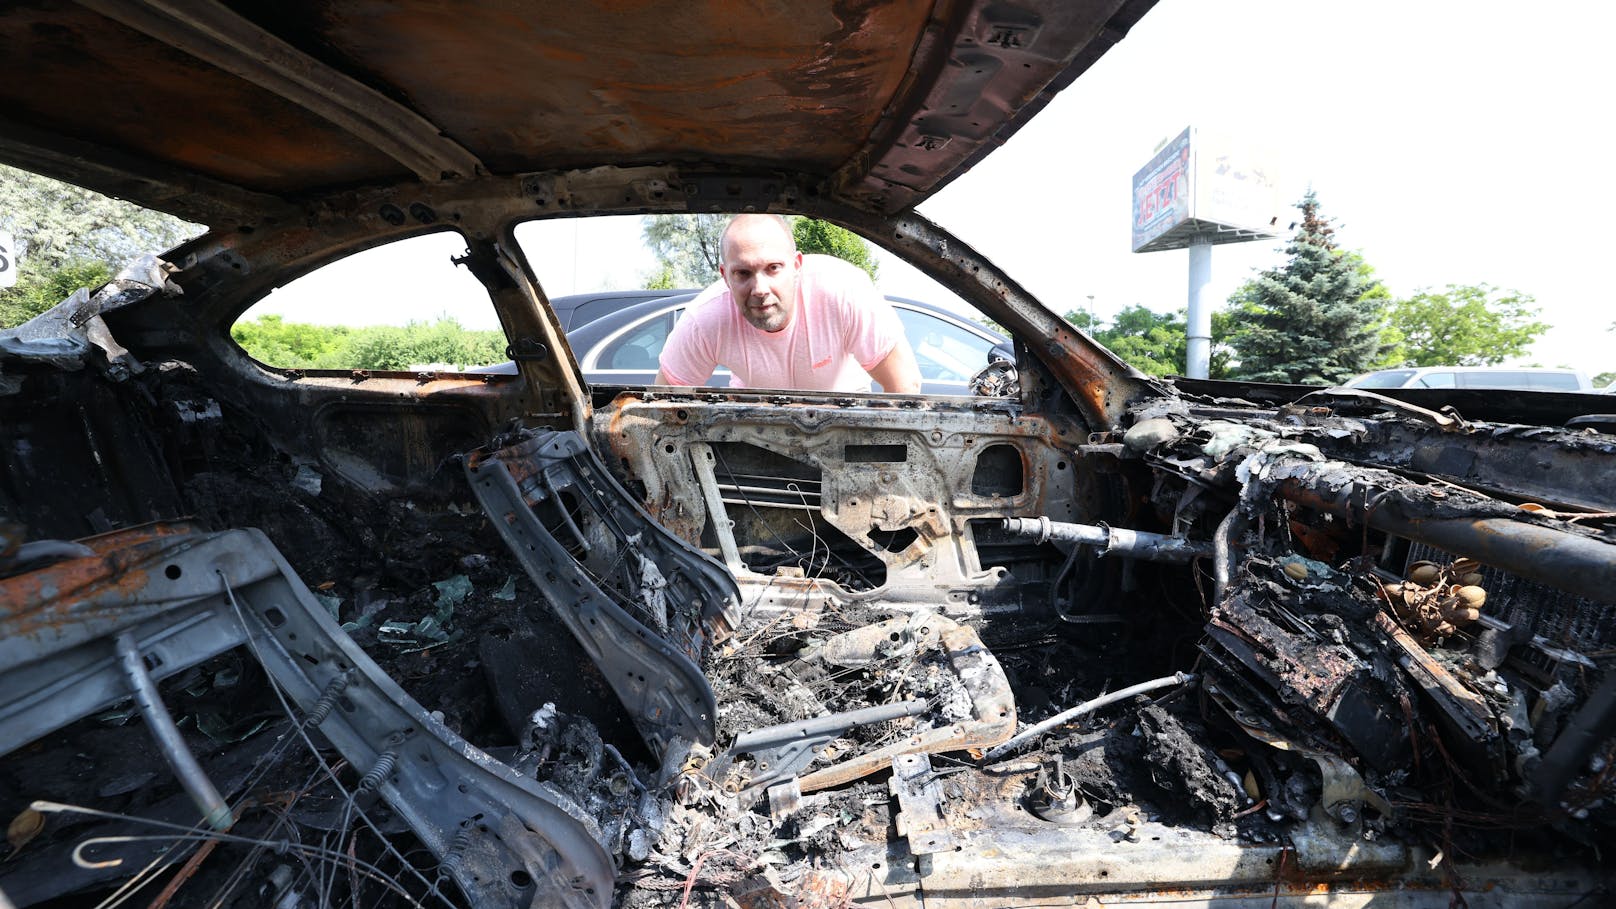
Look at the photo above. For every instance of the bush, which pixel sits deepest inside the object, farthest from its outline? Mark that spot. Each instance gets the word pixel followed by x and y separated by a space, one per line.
pixel 299 345
pixel 37 291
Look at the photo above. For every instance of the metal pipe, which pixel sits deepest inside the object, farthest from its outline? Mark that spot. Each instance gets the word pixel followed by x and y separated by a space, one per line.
pixel 1032 732
pixel 1565 561
pixel 54 550
pixel 833 724
pixel 1133 544
pixel 214 810
pixel 1223 552
pixel 1198 327
pixel 701 460
pixel 1590 725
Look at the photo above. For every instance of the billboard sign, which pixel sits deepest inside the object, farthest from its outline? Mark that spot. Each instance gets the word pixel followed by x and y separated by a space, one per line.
pixel 1161 192
pixel 1201 188
pixel 8 260
pixel 1233 187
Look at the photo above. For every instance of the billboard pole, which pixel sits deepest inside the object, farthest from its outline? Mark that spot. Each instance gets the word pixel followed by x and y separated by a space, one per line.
pixel 1198 356
pixel 1197 193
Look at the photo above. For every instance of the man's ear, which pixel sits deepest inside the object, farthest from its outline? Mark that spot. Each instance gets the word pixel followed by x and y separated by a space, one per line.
pixel 799 259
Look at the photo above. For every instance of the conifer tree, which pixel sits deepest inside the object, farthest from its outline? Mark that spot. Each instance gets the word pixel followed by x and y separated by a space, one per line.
pixel 1317 319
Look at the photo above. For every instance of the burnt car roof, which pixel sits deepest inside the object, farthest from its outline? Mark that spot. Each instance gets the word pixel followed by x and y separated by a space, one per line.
pixel 220 112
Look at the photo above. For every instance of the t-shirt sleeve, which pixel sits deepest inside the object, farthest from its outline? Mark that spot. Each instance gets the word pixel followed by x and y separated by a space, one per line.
pixel 873 328
pixel 689 358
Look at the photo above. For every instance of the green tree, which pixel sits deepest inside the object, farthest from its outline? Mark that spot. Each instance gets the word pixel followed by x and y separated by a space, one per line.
pixel 688 252
pixel 1083 319
pixel 686 247
pixel 293 345
pixel 37 291
pixel 1317 319
pixel 662 280
pixel 69 237
pixel 1465 325
pixel 815 236
pixel 1153 342
pixel 1149 341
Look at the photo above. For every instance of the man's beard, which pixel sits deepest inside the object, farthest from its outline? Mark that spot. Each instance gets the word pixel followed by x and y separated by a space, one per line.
pixel 772 319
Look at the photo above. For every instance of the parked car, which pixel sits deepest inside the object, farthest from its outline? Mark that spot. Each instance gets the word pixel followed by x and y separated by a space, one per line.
pixel 621 347
pixel 360 638
pixel 574 311
pixel 1520 378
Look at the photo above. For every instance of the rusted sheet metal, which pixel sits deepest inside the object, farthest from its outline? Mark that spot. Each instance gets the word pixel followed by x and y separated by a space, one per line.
pixel 993 707
pixel 417 386
pixel 122 538
pixel 121 175
pixel 1461 710
pixel 814 890
pixel 877 466
pixel 628 81
pixel 980 75
pixel 1308 673
pixel 217 35
pixel 721 80
pixel 41 603
pixel 212 124
pixel 894 98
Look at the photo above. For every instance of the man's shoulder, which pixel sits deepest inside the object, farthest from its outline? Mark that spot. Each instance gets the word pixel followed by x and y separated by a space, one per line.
pixel 830 279
pixel 711 303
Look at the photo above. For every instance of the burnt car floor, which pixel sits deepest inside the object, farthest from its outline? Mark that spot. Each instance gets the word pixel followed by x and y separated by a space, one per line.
pixel 696 659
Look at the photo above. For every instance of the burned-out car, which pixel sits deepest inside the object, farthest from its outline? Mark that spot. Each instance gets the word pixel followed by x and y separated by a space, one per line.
pixel 298 637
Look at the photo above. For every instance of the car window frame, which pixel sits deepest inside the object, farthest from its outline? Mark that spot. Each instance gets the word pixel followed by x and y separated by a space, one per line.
pixel 589 363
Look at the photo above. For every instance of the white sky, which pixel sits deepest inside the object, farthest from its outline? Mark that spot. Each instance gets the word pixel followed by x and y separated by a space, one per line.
pixel 1452 142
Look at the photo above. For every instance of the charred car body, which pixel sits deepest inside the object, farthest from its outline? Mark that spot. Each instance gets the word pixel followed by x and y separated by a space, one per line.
pixel 299 637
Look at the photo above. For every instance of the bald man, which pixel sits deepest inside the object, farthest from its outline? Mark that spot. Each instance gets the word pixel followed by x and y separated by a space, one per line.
pixel 780 319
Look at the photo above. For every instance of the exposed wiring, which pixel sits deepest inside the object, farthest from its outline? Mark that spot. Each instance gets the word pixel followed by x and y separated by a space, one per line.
pixel 303 734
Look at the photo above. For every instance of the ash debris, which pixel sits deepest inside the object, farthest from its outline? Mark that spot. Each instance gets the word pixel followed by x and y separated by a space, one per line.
pixel 567 752
pixel 1184 770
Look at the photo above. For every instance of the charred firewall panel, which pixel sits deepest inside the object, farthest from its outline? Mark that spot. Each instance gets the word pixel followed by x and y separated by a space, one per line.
pixel 80 457
pixel 395 449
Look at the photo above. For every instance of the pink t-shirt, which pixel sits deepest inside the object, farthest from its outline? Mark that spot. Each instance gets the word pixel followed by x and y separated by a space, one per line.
pixel 842 327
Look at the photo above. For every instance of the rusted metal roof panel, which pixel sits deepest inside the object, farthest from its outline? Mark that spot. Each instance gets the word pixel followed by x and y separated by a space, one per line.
pixel 885 101
pixel 625 82
pixel 68 71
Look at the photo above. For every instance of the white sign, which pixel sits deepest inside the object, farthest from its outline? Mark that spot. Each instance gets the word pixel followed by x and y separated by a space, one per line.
pixel 1200 188
pixel 8 260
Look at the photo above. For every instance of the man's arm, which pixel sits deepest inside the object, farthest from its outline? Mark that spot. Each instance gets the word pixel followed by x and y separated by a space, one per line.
pixel 897 372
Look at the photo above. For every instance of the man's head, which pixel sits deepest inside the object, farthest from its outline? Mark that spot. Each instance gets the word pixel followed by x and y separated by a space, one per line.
pixel 760 263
